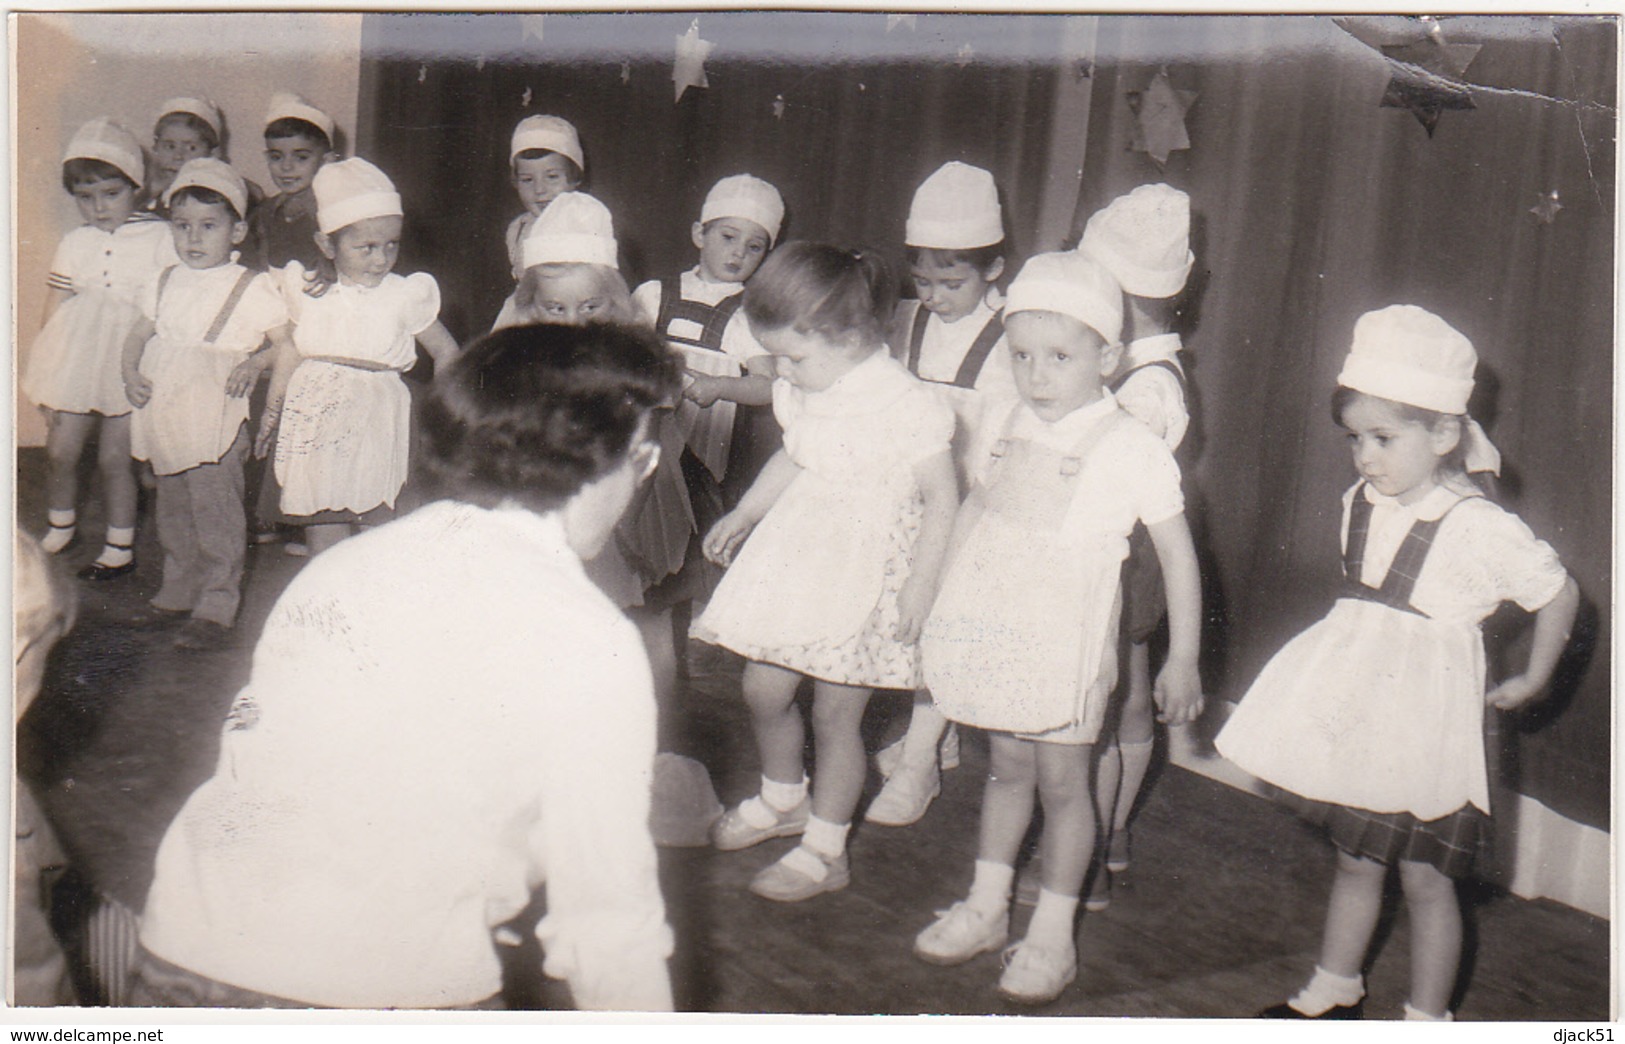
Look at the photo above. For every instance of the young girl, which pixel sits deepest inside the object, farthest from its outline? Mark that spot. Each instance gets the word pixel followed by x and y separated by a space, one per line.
pixel 1022 640
pixel 73 369
pixel 190 384
pixel 337 394
pixel 1370 721
pixel 851 521
pixel 545 161
pixel 187 128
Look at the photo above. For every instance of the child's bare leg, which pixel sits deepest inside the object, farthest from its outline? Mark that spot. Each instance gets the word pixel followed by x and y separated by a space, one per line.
pixel 118 472
pixel 770 693
pixel 1007 799
pixel 1351 914
pixel 658 642
pixel 324 535
pixel 1069 815
pixel 65 438
pixel 837 713
pixel 1435 915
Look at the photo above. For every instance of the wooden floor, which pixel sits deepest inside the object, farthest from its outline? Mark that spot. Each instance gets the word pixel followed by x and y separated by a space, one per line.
pixel 1219 915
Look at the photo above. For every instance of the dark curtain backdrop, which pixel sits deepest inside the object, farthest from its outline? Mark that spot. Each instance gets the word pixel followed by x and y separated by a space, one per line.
pixel 1312 205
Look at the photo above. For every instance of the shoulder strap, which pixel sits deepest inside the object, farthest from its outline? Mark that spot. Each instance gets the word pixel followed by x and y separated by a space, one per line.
pixel 1399 583
pixel 224 315
pixel 916 338
pixel 670 293
pixel 970 367
pixel 163 281
pixel 1173 368
pixel 1074 460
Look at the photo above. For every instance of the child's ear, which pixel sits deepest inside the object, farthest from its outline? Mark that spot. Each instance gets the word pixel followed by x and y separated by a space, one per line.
pixel 239 232
pixel 324 243
pixel 993 271
pixel 697 233
pixel 1110 356
pixel 1445 435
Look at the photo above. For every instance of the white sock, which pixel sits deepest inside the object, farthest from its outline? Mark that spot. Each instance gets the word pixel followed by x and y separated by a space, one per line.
pixel 990 888
pixel 925 728
pixel 1326 991
pixel 120 547
pixel 826 838
pixel 1136 761
pixel 61 531
pixel 782 797
pixel 1418 1015
pixel 1054 920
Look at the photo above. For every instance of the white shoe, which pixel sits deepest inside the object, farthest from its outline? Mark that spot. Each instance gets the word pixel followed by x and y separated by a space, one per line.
pixel 905 797
pixel 960 933
pixel 1036 974
pixel 753 821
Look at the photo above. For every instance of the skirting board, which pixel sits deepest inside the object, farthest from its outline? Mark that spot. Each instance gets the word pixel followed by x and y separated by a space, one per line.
pixel 1554 857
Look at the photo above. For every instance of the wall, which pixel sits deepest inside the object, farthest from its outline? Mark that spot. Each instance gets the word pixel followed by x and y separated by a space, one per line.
pixel 73 67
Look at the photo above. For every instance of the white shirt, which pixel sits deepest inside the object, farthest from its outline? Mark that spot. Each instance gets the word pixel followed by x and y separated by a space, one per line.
pixel 1152 395
pixel 738 343
pixel 120 262
pixel 443 713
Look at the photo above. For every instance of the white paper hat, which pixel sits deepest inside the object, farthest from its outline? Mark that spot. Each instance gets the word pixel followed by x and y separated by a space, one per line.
pixel 574 229
pixel 286 105
pixel 102 139
pixel 1071 284
pixel 1143 238
pixel 552 133
pixel 353 190
pixel 957 208
pixel 748 197
pixel 1407 354
pixel 202 108
pixel 210 173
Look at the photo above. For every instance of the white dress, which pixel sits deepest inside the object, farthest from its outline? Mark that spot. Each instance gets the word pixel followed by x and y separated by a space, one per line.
pixel 190 420
pixel 815 586
pixel 1382 709
pixel 344 437
pixel 74 365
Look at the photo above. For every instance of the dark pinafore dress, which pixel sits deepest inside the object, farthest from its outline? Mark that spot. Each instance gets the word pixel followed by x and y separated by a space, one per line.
pixel 1145 601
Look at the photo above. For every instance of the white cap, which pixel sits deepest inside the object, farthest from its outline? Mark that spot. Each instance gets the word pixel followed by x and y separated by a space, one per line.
pixel 1144 238
pixel 102 139
pixel 574 229
pixel 210 173
pixel 286 105
pixel 202 108
pixel 748 197
pixel 353 190
pixel 552 133
pixel 1407 354
pixel 1071 284
pixel 957 208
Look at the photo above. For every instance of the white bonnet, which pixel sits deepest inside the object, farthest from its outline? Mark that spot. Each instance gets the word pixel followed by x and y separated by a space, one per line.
pixel 956 208
pixel 102 139
pixel 287 105
pixel 202 108
pixel 553 133
pixel 1407 354
pixel 353 190
pixel 574 229
pixel 210 173
pixel 1073 285
pixel 748 197
pixel 1143 238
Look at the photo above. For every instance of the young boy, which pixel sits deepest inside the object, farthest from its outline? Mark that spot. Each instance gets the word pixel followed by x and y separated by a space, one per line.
pixel 187 128
pixel 298 141
pixel 954 337
pixel 1143 240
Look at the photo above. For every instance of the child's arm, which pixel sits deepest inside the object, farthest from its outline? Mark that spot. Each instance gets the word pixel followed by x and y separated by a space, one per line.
pixel 439 343
pixel 284 360
pixel 247 373
pixel 748 390
pixel 1552 623
pixel 54 296
pixel 731 529
pixel 939 487
pixel 136 387
pixel 1178 692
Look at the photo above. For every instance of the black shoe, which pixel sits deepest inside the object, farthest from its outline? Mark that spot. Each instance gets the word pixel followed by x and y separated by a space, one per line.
pixel 202 636
pixel 97 571
pixel 1340 1011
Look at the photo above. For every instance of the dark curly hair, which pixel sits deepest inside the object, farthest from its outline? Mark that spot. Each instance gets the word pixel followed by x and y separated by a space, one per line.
pixel 534 413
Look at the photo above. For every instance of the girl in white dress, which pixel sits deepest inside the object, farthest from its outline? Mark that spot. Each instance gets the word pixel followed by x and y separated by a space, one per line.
pixel 343 411
pixel 847 527
pixel 1370 721
pixel 73 368
pixel 1022 640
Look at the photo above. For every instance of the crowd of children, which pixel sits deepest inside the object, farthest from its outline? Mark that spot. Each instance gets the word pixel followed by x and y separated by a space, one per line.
pixel 974 499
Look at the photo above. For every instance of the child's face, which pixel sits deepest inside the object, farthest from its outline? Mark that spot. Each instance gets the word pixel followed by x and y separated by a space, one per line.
pixel 1058 362
pixel 204 232
pixel 731 248
pixel 541 181
pixel 293 162
pixel 808 361
pixel 953 291
pixel 571 295
pixel 365 252
pixel 1395 452
pixel 105 203
pixel 173 143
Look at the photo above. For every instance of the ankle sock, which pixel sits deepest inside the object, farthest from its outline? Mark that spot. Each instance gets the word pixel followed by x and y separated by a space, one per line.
pixel 782 797
pixel 60 534
pixel 826 838
pixel 120 547
pixel 1326 991
pixel 1418 1015
pixel 1054 919
pixel 990 887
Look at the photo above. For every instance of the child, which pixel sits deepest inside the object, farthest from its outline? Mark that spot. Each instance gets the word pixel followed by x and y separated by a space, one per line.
pixel 698 314
pixel 1143 240
pixel 1022 640
pixel 190 382
pixel 74 369
pixel 187 128
pixel 1370 721
pixel 298 142
pixel 545 161
pixel 953 337
pixel 341 413
pixel 850 521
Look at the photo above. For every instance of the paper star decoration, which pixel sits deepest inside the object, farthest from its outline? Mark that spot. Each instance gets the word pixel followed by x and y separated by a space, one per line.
pixel 778 107
pixel 530 25
pixel 1159 118
pixel 966 53
pixel 479 64
pixel 626 72
pixel 895 20
pixel 423 73
pixel 1546 210
pixel 524 99
pixel 1426 76
pixel 689 69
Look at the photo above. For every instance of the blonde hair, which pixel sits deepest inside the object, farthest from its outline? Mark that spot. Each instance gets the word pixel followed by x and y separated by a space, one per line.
pixel 607 281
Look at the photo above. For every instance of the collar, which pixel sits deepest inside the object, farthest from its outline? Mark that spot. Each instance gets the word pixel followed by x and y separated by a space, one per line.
pixel 868 387
pixel 978 317
pixel 1070 428
pixel 1152 349
pixel 1432 506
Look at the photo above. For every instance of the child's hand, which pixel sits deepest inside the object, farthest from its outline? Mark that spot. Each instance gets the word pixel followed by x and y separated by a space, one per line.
pixel 723 541
pixel 913 606
pixel 245 373
pixel 317 281
pixel 267 432
pixel 137 389
pixel 1178 692
pixel 1513 693
pixel 702 389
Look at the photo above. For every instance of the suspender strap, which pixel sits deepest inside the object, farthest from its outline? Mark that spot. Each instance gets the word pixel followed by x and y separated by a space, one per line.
pixel 970 367
pixel 916 338
pixel 712 319
pixel 1166 364
pixel 229 307
pixel 163 281
pixel 1400 581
